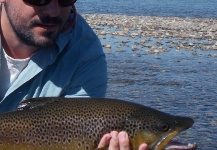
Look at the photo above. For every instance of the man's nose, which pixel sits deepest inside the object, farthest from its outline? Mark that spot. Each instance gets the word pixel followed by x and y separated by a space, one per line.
pixel 52 9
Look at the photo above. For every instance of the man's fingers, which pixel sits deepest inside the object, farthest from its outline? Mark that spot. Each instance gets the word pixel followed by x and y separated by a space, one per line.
pixel 143 147
pixel 114 143
pixel 118 141
pixel 104 142
pixel 124 141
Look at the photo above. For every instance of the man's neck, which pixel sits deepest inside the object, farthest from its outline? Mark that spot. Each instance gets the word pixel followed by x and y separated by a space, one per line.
pixel 17 51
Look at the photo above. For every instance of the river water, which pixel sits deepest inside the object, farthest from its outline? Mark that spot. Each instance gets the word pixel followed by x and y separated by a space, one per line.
pixel 178 81
pixel 175 8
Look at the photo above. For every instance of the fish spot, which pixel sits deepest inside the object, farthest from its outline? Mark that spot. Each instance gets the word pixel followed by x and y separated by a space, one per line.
pixel 86 147
pixel 79 144
pixel 69 140
pixel 64 140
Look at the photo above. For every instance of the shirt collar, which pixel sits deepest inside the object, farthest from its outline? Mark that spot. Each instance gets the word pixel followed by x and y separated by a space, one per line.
pixel 64 37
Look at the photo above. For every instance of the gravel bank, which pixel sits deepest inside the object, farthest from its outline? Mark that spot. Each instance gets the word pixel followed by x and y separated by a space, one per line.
pixel 157 26
pixel 180 33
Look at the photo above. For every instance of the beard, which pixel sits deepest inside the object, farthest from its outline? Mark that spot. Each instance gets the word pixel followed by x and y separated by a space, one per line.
pixel 24 33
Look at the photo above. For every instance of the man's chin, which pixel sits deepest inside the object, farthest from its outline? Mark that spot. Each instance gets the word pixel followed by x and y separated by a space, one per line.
pixel 44 43
pixel 45 40
pixel 40 43
pixel 37 37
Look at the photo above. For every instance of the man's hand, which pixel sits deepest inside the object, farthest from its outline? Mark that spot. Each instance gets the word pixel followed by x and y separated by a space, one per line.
pixel 118 141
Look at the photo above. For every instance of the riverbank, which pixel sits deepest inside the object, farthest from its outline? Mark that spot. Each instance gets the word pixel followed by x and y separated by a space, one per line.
pixel 202 32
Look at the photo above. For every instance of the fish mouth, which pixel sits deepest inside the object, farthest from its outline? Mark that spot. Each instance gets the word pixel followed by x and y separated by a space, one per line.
pixel 167 143
pixel 175 145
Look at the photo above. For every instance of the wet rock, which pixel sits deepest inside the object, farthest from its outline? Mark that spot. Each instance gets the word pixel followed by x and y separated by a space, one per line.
pixel 103 33
pixel 142 42
pixel 134 47
pixel 120 50
pixel 107 46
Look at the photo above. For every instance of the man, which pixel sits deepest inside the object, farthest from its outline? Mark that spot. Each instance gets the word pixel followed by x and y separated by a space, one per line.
pixel 49 50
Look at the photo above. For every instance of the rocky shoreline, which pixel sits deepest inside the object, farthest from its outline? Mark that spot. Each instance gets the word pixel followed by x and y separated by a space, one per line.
pixel 203 30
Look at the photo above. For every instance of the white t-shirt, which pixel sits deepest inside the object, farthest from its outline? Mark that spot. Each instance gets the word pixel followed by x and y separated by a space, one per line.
pixel 10 70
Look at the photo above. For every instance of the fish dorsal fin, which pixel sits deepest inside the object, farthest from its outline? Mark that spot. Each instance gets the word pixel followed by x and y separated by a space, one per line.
pixel 35 102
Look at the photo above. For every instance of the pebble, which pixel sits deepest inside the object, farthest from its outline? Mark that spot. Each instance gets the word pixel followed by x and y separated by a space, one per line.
pixel 134 34
pixel 120 33
pixel 134 47
pixel 212 55
pixel 142 42
pixel 107 46
pixel 120 50
pixel 103 33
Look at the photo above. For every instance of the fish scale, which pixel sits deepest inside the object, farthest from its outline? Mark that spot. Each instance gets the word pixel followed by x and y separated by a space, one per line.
pixel 79 124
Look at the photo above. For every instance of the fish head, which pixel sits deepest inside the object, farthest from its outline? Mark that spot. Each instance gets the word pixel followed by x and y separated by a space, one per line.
pixel 154 128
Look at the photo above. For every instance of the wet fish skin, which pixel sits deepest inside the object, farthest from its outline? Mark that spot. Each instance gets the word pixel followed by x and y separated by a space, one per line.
pixel 79 124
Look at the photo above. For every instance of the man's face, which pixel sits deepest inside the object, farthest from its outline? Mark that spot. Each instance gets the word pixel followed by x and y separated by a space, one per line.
pixel 36 26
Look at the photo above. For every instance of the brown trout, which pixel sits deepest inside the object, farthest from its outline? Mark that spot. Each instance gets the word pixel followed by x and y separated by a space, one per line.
pixel 79 124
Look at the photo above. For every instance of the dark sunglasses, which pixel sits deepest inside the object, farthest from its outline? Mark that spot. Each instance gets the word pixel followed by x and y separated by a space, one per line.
pixel 63 3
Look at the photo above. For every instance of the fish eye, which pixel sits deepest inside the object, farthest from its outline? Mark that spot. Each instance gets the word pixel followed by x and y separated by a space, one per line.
pixel 165 127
